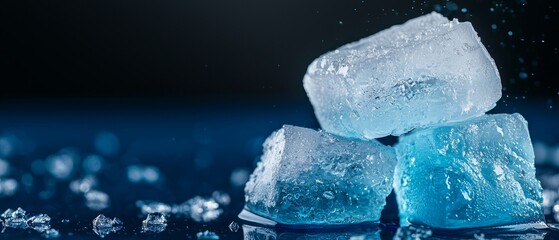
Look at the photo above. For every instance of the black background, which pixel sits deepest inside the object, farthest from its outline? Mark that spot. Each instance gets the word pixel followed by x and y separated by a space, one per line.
pixel 246 49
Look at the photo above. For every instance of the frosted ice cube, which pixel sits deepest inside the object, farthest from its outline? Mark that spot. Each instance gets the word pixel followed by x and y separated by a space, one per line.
pixel 476 173
pixel 310 177
pixel 426 71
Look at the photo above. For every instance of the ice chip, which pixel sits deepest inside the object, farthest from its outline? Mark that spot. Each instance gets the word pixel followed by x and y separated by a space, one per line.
pixel 426 71
pixel 476 173
pixel 103 226
pixel 155 222
pixel 207 235
pixel 234 227
pixel 15 219
pixel 39 223
pixel 310 177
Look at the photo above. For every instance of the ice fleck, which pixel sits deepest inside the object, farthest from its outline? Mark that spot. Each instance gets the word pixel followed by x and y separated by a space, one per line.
pixel 234 227
pixel 155 222
pixel 148 207
pixel 207 235
pixel 103 226
pixel 139 173
pixel 221 197
pixel 39 222
pixel 510 33
pixel 97 200
pixel 65 221
pixel 15 219
pixel 522 75
pixel 204 209
pixel 51 233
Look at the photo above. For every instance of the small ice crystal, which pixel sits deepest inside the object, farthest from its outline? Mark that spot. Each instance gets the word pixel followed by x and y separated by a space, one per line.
pixel 155 222
pixel 15 219
pixel 96 200
pixel 39 223
pixel 204 209
pixel 148 207
pixel 221 197
pixel 103 226
pixel 207 235
pixel 84 185
pixel 51 233
pixel 234 227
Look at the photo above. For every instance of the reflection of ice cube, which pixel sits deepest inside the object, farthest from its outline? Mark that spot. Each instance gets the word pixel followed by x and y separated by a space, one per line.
pixel 476 173
pixel 426 71
pixel 365 232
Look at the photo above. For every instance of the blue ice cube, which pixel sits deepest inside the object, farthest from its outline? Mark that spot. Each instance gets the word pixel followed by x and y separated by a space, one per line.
pixel 427 71
pixel 315 178
pixel 476 173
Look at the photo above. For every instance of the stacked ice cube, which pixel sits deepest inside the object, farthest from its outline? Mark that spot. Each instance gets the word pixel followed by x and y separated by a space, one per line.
pixel 432 80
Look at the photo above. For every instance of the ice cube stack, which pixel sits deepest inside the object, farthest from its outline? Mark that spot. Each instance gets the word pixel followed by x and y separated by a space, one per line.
pixel 430 80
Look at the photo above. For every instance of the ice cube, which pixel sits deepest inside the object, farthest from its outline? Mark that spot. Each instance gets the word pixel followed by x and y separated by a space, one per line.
pixel 155 222
pixel 310 177
pixel 103 226
pixel 427 71
pixel 476 173
pixel 39 222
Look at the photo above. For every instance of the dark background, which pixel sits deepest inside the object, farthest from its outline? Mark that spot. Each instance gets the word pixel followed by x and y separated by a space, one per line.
pixel 245 49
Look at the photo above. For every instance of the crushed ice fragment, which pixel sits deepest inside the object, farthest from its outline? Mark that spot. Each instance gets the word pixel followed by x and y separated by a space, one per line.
pixel 97 200
pixel 15 219
pixel 424 72
pixel 310 177
pixel 155 222
pixel 203 209
pixel 39 222
pixel 147 207
pixel 51 233
pixel 207 235
pixel 107 143
pixel 221 197
pixel 234 227
pixel 103 226
pixel 475 173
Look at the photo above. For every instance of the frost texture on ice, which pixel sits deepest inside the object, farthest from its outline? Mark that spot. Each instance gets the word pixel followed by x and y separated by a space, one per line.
pixel 310 177
pixel 476 173
pixel 103 226
pixel 427 71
